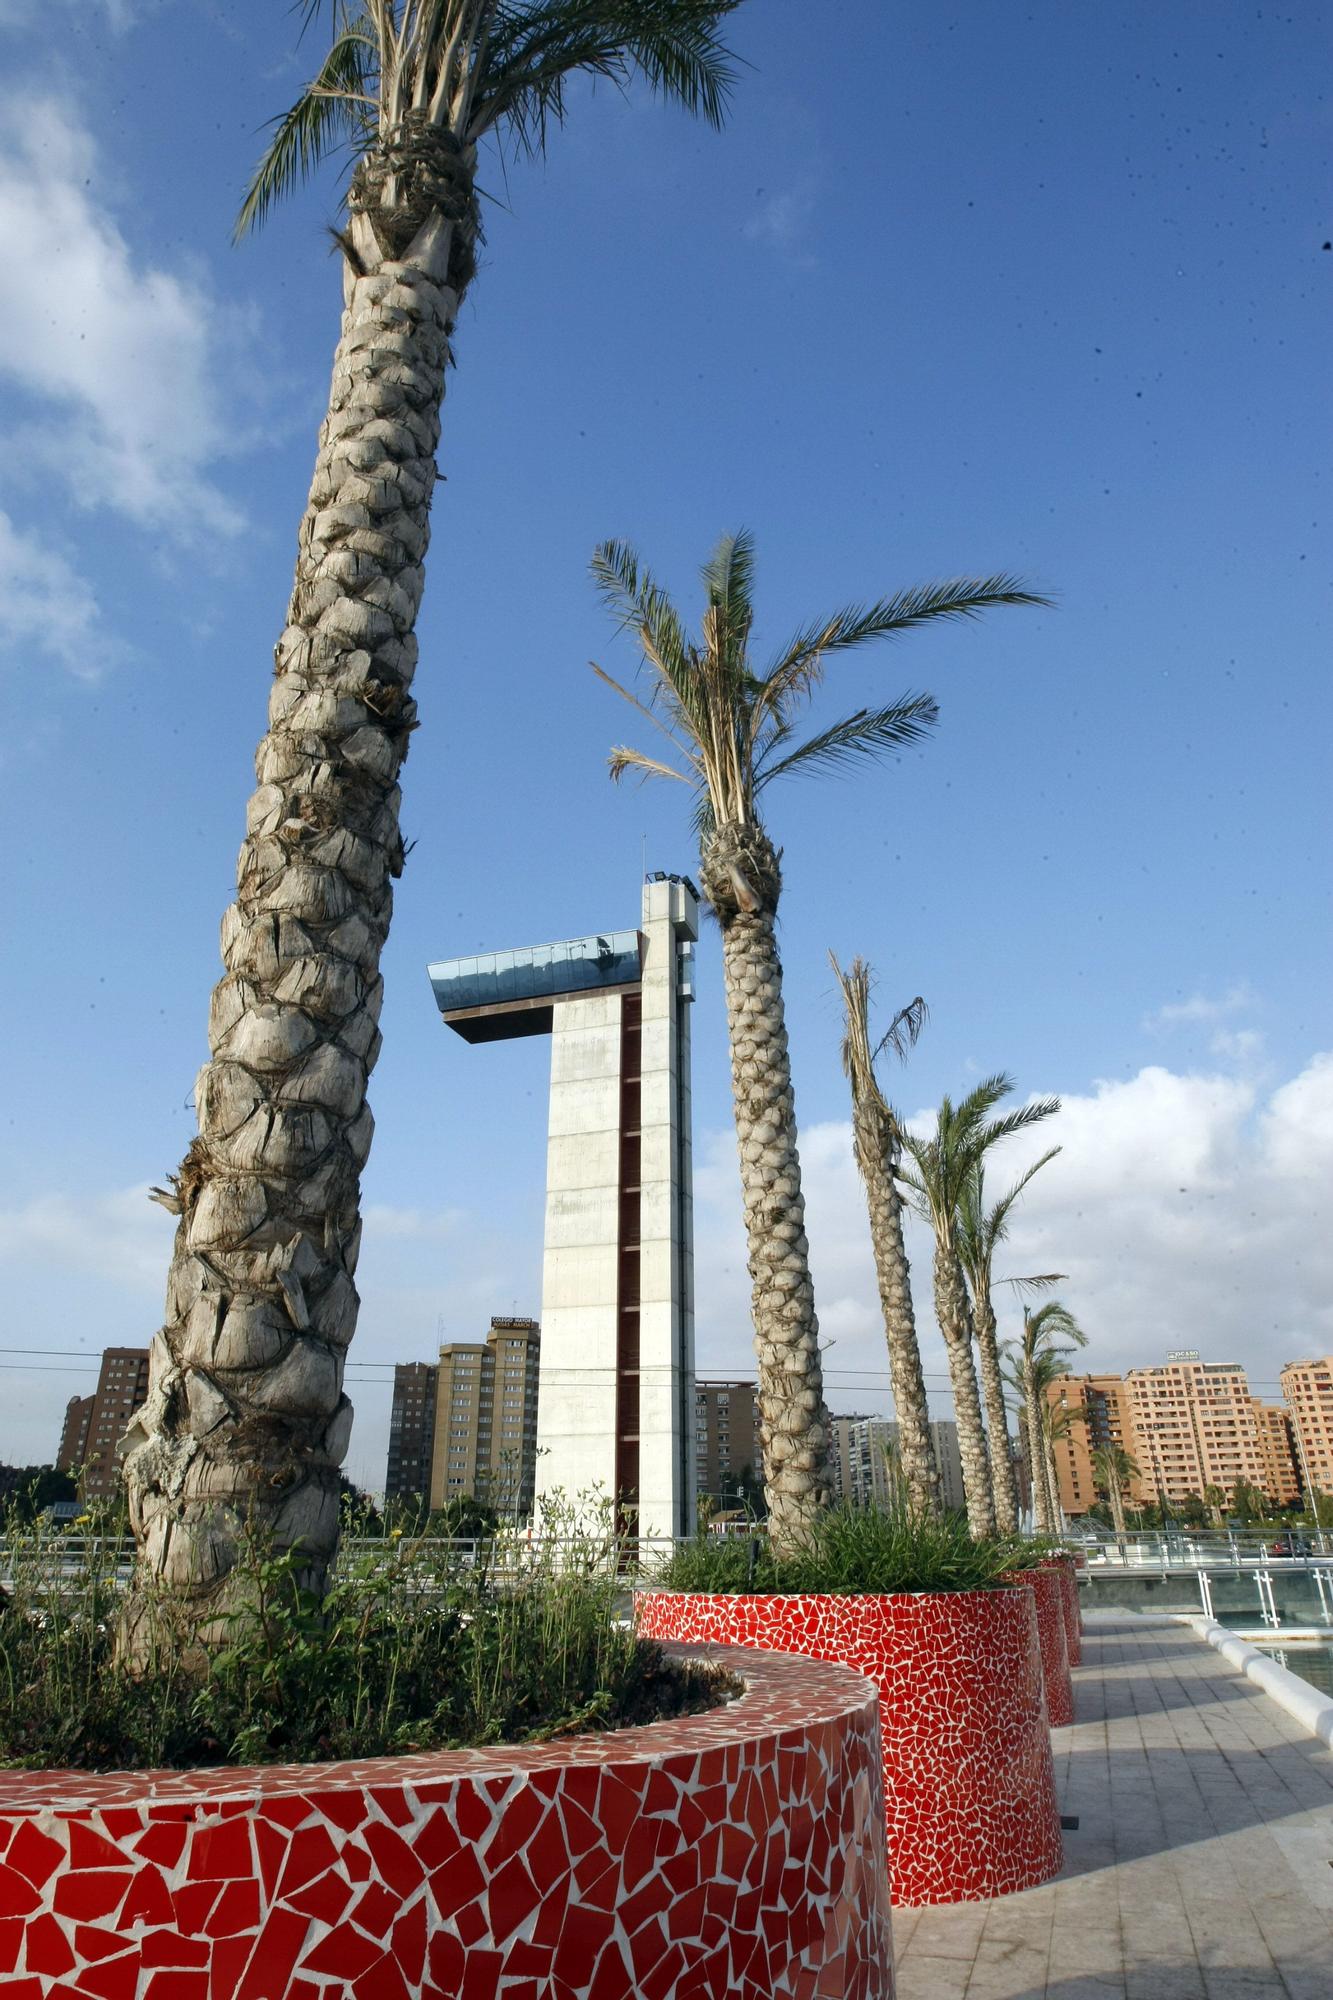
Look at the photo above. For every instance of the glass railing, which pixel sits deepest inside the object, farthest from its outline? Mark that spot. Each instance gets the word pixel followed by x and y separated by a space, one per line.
pixel 1273 1594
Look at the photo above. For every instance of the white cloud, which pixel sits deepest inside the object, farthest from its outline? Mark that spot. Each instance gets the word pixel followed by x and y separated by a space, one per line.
pixel 84 1271
pixel 121 1237
pixel 1242 1046
pixel 1200 1009
pixel 47 609
pixel 1298 1131
pixel 1186 1210
pixel 125 364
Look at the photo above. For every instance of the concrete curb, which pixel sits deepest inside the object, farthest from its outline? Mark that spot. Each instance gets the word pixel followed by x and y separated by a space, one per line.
pixel 1305 1704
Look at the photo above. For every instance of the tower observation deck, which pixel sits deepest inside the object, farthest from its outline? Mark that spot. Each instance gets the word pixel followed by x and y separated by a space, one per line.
pixel 616 1402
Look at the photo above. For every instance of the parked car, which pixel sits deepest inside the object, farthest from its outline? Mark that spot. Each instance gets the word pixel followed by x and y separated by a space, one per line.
pixel 1290 1545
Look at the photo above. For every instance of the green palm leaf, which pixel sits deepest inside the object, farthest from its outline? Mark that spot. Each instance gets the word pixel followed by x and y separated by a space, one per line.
pixel 868 733
pixel 337 109
pixel 533 50
pixel 474 67
pixel 802 662
pixel 740 728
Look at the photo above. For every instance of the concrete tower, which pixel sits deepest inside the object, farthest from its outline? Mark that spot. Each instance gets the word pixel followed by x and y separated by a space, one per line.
pixel 616 1403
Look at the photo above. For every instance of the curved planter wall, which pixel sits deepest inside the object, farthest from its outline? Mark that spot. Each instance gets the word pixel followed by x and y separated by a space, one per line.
pixel 1047 1586
pixel 737 1853
pixel 1069 1567
pixel 969 1787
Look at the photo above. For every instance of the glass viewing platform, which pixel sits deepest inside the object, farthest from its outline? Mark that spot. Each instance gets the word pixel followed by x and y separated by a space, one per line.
pixel 497 995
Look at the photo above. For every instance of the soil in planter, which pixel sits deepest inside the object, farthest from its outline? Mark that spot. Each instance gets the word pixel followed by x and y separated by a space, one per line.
pixel 411 1650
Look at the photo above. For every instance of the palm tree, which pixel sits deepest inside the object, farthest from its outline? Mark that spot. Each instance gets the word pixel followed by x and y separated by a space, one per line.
pixel 732 728
pixel 1113 1468
pixel 979 1230
pixel 245 1413
pixel 1040 1359
pixel 943 1164
pixel 878 1145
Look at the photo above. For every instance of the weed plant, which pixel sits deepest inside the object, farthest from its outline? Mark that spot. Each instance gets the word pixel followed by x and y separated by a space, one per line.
pixel 412 1648
pixel 848 1551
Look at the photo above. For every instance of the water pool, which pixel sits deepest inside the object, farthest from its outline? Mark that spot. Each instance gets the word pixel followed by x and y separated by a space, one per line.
pixel 1313 1663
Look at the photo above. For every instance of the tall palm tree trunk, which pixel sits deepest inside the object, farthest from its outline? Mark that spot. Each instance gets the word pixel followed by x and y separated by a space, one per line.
pixel 1053 1486
pixel 741 877
pixel 916 1447
pixel 1004 1489
pixel 1117 1499
pixel 1041 1492
pixel 245 1418
pixel 955 1318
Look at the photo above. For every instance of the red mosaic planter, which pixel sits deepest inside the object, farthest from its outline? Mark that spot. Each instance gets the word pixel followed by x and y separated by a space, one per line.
pixel 1069 1567
pixel 1047 1585
pixel 737 1854
pixel 969 1786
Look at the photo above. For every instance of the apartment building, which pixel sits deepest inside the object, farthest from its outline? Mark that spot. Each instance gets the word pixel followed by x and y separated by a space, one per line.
pixel 94 1425
pixel 1277 1445
pixel 727 1442
pixel 863 1453
pixel 1196 1428
pixel 1307 1389
pixel 411 1430
pixel 74 1432
pixel 1101 1419
pixel 1187 1426
pixel 485 1427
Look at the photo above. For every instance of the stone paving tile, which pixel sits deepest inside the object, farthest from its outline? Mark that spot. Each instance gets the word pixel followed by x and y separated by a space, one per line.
pixel 949 1931
pixel 936 1978
pixel 1197 1869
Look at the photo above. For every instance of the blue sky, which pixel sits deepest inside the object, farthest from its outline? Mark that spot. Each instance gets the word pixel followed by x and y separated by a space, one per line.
pixel 1035 288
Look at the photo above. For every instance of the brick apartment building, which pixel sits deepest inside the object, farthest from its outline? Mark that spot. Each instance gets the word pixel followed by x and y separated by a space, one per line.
pixel 1307 1388
pixel 94 1425
pixel 726 1440
pixel 1188 1425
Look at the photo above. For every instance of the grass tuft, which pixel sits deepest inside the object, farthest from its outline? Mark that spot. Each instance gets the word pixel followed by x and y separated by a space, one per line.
pixel 849 1551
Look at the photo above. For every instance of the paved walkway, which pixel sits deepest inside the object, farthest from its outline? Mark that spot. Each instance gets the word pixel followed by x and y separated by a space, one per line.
pixel 1202 1864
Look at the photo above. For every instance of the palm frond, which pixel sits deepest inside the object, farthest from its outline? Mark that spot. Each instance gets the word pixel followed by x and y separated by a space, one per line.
pixel 728 577
pixel 960 1125
pixel 998 1217
pixel 642 708
pixel 1048 1324
pixel 801 663
pixel 1017 1121
pixel 858 1058
pixel 1042 1282
pixel 904 1030
pixel 534 50
pixel 868 733
pixel 638 602
pixel 337 108
pixel 624 758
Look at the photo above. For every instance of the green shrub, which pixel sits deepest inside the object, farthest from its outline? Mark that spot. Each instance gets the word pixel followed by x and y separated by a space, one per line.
pixel 412 1648
pixel 849 1551
pixel 1032 1552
